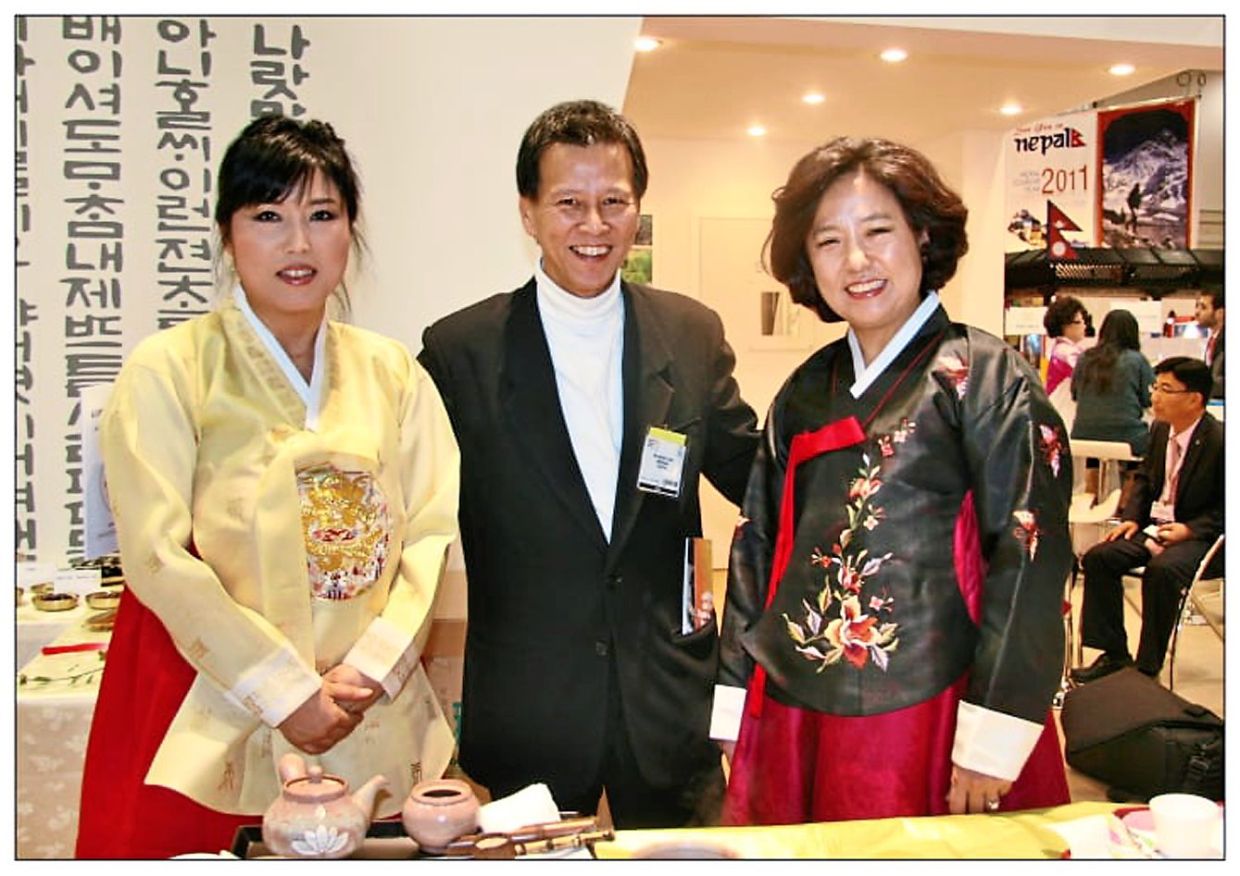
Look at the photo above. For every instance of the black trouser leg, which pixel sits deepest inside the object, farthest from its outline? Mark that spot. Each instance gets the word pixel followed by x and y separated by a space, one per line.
pixel 635 803
pixel 1102 605
pixel 1162 588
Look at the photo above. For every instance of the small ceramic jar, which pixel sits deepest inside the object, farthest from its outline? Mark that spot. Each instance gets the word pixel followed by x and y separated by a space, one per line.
pixel 439 811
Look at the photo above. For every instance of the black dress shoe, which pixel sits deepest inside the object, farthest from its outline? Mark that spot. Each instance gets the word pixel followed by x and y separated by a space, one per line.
pixel 1103 666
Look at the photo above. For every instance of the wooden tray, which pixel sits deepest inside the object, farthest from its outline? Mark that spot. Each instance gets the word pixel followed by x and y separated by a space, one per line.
pixel 385 840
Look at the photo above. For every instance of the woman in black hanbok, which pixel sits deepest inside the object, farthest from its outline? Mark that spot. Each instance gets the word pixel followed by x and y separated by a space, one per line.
pixel 896 581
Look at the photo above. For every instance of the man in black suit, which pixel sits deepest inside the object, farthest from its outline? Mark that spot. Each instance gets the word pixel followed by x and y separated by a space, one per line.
pixel 1210 315
pixel 585 408
pixel 1173 515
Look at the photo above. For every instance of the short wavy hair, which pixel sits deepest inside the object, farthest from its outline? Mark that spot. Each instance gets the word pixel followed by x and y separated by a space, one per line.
pixel 1062 312
pixel 928 204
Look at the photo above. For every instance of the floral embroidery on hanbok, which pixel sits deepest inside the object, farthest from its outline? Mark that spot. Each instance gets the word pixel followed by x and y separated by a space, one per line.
pixel 346 526
pixel 1052 446
pixel 1027 531
pixel 956 370
pixel 849 619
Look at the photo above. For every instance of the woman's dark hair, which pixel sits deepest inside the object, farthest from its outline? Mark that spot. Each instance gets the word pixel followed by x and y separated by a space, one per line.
pixel 928 204
pixel 1061 312
pixel 577 123
pixel 275 155
pixel 1119 332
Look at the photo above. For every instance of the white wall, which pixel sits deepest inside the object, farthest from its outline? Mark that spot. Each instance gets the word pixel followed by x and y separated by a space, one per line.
pixel 450 233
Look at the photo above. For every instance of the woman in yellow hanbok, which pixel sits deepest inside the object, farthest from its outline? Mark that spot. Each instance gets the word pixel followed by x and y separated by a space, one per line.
pixel 285 488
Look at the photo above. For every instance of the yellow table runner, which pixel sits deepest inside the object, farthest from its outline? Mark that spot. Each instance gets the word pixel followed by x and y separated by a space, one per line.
pixel 1021 835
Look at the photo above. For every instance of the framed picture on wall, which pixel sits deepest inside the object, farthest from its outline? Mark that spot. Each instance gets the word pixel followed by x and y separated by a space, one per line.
pixel 639 264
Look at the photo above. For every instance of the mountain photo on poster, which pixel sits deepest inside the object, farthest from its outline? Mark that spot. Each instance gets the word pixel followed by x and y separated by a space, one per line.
pixel 1146 175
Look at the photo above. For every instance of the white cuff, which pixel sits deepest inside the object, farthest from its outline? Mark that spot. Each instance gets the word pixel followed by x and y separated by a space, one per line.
pixel 991 742
pixel 383 653
pixel 725 715
pixel 274 689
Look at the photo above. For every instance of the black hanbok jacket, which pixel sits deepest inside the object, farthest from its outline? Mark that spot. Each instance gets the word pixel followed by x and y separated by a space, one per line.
pixel 932 540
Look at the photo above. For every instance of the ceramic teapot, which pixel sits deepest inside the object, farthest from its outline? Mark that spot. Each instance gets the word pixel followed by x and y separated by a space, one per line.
pixel 314 816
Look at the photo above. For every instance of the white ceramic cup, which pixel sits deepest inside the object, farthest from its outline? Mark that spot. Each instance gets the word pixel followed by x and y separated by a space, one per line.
pixel 1185 825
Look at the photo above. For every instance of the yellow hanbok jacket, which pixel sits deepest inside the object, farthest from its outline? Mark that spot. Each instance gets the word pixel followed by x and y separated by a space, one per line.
pixel 315 546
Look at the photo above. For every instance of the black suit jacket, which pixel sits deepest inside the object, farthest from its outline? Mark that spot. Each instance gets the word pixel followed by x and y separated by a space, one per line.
pixel 556 612
pixel 1199 494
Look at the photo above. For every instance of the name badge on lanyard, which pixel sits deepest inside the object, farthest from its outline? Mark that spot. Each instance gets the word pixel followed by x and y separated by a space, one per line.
pixel 663 462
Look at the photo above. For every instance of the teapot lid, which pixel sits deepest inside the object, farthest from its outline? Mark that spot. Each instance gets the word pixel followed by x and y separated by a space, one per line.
pixel 315 787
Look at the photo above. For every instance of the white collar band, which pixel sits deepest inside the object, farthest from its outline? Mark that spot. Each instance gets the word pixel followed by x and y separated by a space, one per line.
pixel 310 393
pixel 867 374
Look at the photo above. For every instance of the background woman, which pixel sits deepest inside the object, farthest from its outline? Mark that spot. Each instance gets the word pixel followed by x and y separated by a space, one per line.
pixel 895 583
pixel 284 487
pixel 1111 385
pixel 1065 321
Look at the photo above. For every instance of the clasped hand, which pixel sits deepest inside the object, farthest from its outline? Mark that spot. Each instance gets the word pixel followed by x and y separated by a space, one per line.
pixel 974 792
pixel 1167 534
pixel 332 712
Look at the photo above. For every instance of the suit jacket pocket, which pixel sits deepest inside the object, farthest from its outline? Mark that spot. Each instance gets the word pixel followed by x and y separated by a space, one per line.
pixel 699 642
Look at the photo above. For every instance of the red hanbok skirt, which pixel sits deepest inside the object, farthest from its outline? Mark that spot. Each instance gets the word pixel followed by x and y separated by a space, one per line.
pixel 797 765
pixel 145 681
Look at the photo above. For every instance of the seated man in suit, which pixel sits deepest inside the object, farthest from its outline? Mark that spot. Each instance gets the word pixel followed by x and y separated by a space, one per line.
pixel 586 407
pixel 1173 514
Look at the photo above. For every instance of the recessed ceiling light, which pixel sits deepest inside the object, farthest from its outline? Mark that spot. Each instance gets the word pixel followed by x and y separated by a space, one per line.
pixel 812 97
pixel 646 44
pixel 1122 69
pixel 1011 109
pixel 756 131
pixel 893 56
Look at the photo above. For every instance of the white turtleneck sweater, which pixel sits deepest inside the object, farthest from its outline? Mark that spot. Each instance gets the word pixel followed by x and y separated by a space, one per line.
pixel 586 338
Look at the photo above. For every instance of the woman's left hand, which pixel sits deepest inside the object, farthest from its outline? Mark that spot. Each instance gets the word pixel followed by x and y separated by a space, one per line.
pixel 974 792
pixel 345 674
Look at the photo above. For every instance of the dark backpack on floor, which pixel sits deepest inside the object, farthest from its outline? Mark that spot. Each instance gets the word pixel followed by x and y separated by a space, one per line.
pixel 1131 732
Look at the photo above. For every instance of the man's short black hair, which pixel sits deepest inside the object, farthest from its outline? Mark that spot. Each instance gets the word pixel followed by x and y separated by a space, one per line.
pixel 577 123
pixel 1215 294
pixel 1193 373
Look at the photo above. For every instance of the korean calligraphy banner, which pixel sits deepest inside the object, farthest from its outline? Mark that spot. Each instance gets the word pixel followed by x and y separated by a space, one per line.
pixel 119 125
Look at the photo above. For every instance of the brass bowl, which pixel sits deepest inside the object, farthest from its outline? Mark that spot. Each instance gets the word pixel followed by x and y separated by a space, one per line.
pixel 55 601
pixel 102 600
pixel 21 595
pixel 41 589
pixel 102 622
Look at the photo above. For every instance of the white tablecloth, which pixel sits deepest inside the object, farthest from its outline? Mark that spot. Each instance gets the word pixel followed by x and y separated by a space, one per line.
pixel 53 723
pixel 36 628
